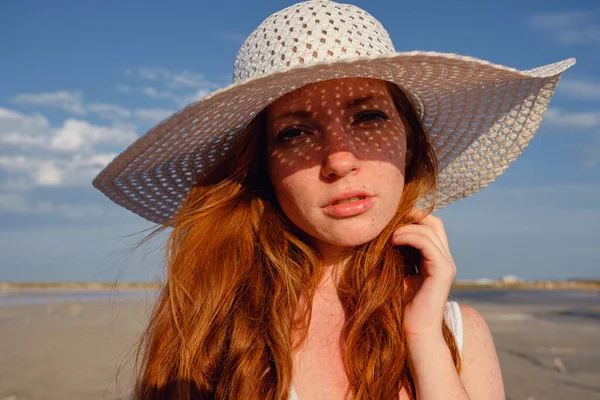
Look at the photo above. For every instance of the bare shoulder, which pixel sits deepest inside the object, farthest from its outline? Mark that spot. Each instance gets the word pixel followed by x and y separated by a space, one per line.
pixel 480 373
pixel 474 322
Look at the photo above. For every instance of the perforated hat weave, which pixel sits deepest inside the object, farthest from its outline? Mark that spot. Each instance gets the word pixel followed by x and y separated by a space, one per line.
pixel 478 116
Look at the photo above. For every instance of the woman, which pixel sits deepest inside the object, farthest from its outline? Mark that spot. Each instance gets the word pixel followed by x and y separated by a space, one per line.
pixel 304 261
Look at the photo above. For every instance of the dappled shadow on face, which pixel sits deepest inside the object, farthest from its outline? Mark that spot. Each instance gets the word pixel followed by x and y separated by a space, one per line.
pixel 335 125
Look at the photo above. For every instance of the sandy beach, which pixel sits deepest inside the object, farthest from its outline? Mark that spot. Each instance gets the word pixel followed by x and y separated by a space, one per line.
pixel 73 349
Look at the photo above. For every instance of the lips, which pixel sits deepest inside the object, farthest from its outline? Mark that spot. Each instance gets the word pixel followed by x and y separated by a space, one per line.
pixel 349 204
pixel 347 197
pixel 350 200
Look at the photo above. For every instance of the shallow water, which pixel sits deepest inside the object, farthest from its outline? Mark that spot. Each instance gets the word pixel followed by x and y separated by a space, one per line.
pixel 496 296
pixel 62 296
pixel 533 297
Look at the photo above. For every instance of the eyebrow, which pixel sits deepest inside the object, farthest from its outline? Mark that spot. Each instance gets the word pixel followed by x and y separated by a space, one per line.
pixel 359 101
pixel 307 114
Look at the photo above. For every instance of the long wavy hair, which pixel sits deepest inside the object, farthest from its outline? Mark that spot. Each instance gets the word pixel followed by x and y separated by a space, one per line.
pixel 241 278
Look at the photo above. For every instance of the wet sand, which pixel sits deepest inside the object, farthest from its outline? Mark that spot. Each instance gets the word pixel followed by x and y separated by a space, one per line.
pixel 546 351
pixel 73 350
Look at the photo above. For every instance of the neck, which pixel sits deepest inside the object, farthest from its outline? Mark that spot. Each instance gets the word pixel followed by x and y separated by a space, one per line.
pixel 332 255
pixel 335 260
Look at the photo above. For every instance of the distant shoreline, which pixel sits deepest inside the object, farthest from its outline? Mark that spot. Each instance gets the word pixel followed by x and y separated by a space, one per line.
pixel 84 286
pixel 464 285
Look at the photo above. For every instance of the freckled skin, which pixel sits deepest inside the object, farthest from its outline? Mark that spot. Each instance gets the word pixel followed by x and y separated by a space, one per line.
pixel 331 149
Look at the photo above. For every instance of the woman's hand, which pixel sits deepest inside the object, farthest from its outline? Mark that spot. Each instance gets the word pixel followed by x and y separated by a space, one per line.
pixel 426 292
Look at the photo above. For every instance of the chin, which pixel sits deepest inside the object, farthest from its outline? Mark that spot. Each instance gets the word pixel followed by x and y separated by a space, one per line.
pixel 350 236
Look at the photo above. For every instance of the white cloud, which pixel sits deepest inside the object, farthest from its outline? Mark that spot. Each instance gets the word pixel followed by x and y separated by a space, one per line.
pixel 569 27
pixel 12 119
pixel 41 155
pixel 170 85
pixel 18 129
pixel 16 139
pixel 68 101
pixel 537 232
pixel 592 153
pixel 577 36
pixel 12 202
pixel 47 170
pixel 153 115
pixel 28 171
pixel 123 88
pixel 14 184
pixel 73 103
pixel 572 121
pixel 559 20
pixel 182 79
pixel 582 89
pixel 37 156
pixel 547 208
pixel 579 122
pixel 79 170
pixel 181 100
pixel 198 95
pixel 109 111
pixel 151 74
pixel 78 134
pixel 48 174
pixel 162 94
pixel 23 203
pixel 188 79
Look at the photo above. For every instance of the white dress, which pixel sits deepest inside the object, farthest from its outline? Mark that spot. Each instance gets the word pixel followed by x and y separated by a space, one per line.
pixel 453 318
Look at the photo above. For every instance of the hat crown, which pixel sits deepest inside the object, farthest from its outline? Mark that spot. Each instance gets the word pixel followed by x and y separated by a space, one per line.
pixel 310 32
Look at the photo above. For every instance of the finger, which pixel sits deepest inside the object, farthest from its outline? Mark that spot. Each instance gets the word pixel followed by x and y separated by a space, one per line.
pixel 436 223
pixel 430 252
pixel 434 262
pixel 421 230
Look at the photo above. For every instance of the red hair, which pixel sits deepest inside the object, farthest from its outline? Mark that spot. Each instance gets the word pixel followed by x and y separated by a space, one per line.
pixel 241 278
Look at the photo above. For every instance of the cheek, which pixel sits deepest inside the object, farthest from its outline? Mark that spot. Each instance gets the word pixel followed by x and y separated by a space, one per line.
pixel 382 141
pixel 286 162
pixel 293 185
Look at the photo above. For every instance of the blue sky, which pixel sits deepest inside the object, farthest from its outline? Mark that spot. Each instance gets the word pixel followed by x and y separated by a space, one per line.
pixel 84 79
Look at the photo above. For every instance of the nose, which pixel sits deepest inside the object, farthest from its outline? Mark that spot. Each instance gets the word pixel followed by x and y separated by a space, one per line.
pixel 339 155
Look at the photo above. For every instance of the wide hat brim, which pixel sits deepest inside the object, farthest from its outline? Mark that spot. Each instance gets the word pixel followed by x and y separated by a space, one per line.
pixel 478 116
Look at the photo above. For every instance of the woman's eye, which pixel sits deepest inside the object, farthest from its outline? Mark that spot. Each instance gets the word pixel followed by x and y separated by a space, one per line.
pixel 292 133
pixel 370 115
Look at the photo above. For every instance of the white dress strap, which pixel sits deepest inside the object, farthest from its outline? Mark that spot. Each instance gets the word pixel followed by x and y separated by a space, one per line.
pixel 453 318
pixel 293 394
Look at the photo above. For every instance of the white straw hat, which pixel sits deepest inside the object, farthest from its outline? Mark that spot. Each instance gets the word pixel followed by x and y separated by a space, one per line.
pixel 478 116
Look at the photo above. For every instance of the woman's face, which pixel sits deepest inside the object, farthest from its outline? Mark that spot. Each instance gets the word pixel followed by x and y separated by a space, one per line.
pixel 336 156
